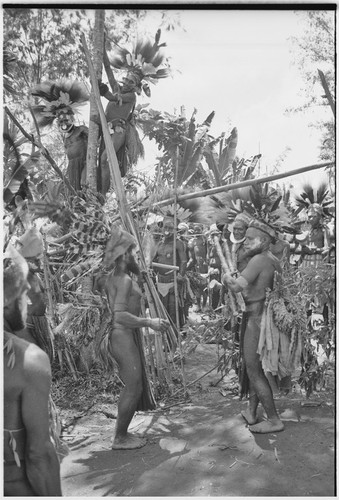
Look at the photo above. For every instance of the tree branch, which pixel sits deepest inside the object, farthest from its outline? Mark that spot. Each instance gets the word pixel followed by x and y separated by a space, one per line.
pixel 42 148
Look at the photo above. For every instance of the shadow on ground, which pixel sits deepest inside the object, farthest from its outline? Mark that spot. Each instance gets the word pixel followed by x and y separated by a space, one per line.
pixel 204 449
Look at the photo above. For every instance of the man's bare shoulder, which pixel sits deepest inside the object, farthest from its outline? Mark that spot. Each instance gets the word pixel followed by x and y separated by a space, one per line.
pixel 119 282
pixel 30 360
pixel 259 260
pixel 36 361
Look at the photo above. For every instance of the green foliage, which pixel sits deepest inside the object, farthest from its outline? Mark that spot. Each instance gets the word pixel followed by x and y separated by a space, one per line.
pixel 46 42
pixel 314 50
pixel 293 295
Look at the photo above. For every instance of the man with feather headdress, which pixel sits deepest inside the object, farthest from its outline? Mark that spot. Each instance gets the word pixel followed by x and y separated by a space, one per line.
pixel 315 242
pixel 61 101
pixel 142 66
pixel 261 340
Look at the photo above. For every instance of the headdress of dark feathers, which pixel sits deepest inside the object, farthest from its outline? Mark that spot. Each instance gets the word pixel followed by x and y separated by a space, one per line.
pixel 61 95
pixel 261 205
pixel 317 199
pixel 146 61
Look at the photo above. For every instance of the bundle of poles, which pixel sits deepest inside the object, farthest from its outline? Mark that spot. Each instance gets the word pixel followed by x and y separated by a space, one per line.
pixel 159 348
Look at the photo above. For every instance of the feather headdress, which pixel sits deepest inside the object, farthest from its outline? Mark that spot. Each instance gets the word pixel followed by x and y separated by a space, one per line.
pixel 146 62
pixel 260 206
pixel 60 96
pixel 314 198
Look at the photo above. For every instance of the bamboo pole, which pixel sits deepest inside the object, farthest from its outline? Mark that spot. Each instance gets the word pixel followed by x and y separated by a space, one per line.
pixel 125 212
pixel 175 263
pixel 237 185
pixel 175 240
pixel 42 148
pixel 226 268
pixel 47 284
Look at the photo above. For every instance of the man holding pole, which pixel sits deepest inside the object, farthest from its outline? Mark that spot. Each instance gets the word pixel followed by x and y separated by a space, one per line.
pixel 253 281
pixel 165 277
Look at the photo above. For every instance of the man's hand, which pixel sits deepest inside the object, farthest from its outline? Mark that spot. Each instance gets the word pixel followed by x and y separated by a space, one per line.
pixel 227 279
pixel 103 88
pixel 159 324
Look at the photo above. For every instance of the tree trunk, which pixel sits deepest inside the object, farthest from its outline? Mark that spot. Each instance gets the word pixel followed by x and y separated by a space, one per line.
pixel 87 355
pixel 93 133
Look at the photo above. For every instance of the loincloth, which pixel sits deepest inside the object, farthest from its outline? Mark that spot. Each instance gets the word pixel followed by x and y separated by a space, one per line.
pixel 165 288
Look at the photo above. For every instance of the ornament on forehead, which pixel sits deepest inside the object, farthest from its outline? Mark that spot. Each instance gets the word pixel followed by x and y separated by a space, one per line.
pixel 65 114
pixel 243 219
pixel 315 209
pixel 264 228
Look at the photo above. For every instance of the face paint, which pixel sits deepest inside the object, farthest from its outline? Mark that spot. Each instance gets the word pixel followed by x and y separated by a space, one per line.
pixel 65 122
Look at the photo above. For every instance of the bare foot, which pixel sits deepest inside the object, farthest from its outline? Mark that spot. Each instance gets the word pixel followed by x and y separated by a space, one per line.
pixel 128 442
pixel 267 426
pixel 248 417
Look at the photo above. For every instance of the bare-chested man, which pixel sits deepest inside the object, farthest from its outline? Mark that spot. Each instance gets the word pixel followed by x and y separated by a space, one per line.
pixel 31 466
pixel 124 296
pixel 252 282
pixel 198 264
pixel 165 277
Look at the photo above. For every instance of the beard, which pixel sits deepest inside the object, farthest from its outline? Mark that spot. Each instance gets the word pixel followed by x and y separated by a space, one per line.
pixel 16 318
pixel 132 266
pixel 255 250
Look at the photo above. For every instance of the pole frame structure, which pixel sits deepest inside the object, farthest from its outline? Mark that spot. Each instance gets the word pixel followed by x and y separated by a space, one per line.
pixel 237 185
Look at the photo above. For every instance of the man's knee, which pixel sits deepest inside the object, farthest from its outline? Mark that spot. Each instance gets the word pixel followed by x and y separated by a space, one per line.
pixel 134 388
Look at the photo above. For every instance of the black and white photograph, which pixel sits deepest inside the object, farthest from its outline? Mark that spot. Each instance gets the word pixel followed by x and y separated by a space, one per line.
pixel 169 249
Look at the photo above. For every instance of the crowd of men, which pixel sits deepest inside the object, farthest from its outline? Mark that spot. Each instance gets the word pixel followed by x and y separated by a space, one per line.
pixel 196 270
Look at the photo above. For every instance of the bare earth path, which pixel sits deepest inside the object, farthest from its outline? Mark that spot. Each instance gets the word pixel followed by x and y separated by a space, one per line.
pixel 203 448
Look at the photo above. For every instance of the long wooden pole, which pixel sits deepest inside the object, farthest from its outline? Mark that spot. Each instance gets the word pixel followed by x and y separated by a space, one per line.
pixel 237 185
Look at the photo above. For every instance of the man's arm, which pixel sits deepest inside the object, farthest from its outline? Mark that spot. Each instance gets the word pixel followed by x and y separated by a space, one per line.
pixel 118 299
pixel 182 257
pixel 247 277
pixel 42 464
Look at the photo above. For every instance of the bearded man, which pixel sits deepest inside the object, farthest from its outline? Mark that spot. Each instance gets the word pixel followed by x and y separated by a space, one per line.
pixel 124 297
pixel 255 278
pixel 31 466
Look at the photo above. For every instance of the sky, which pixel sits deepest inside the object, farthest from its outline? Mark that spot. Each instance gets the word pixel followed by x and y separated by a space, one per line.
pixel 238 63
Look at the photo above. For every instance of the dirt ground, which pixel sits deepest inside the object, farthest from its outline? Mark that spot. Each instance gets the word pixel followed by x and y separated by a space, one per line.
pixel 203 448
